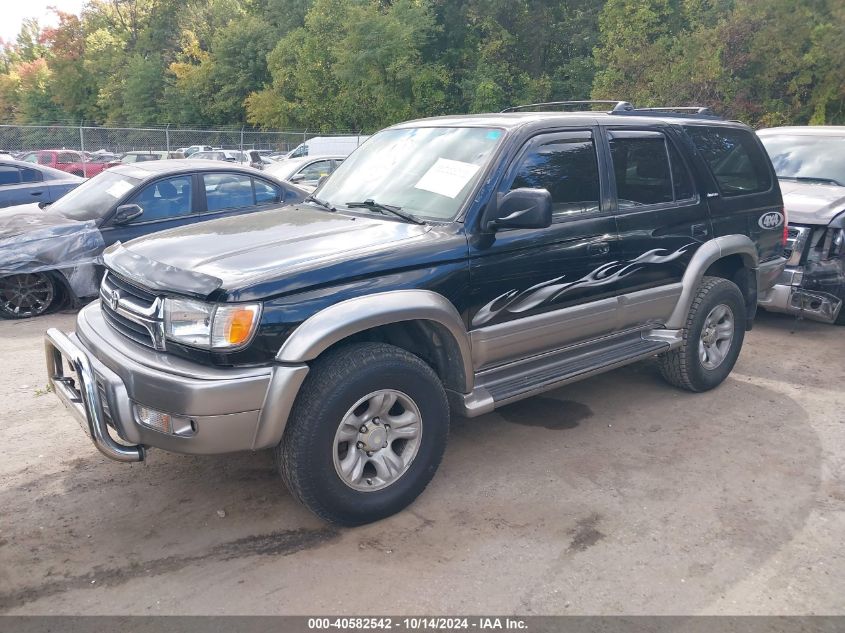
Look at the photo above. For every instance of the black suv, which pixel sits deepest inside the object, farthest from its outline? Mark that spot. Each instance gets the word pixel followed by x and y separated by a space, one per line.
pixel 457 263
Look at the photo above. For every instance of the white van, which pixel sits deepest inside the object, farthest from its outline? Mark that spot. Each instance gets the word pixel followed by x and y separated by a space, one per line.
pixel 337 145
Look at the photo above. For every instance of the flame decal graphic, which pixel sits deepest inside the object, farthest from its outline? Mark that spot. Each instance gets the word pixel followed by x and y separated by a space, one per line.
pixel 550 291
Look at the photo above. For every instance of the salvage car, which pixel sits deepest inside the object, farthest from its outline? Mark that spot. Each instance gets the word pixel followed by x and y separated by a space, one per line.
pixel 22 183
pixel 450 265
pixel 305 172
pixel 810 164
pixel 52 256
pixel 66 160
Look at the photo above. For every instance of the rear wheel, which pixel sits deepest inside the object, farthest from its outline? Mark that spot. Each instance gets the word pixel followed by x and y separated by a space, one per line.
pixel 366 434
pixel 27 295
pixel 712 338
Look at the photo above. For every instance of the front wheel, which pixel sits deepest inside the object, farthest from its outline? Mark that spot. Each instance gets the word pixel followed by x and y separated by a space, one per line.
pixel 27 295
pixel 712 338
pixel 366 434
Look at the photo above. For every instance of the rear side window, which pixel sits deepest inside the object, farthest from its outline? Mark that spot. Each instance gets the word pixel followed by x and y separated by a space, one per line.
pixel 567 167
pixel 30 175
pixel 228 191
pixel 736 161
pixel 648 169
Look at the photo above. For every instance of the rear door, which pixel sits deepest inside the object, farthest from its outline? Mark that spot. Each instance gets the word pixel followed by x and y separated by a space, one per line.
pixel 228 193
pixel 662 218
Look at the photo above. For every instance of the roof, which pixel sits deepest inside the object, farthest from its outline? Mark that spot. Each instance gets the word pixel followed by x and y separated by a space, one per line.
pixel 51 173
pixel 805 130
pixel 153 168
pixel 513 120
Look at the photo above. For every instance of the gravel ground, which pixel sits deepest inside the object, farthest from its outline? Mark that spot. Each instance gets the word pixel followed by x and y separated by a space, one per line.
pixel 615 495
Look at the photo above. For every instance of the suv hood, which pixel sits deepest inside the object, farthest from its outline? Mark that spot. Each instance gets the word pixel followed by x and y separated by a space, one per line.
pixel 240 251
pixel 810 203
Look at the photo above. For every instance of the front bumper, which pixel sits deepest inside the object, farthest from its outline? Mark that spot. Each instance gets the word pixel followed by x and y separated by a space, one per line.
pixel 789 297
pixel 230 409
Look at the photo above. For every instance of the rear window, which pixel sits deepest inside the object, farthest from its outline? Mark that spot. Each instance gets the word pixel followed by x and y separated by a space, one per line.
pixel 735 159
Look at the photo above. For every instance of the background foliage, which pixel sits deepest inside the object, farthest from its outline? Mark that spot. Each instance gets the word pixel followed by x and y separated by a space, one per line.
pixel 364 64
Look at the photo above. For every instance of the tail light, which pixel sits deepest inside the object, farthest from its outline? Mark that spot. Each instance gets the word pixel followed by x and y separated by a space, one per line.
pixel 785 237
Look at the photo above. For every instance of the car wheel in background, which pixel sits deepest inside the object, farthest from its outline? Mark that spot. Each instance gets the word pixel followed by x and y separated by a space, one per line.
pixel 27 295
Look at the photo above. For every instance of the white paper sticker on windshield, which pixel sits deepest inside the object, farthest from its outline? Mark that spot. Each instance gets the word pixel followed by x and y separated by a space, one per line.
pixel 119 188
pixel 447 177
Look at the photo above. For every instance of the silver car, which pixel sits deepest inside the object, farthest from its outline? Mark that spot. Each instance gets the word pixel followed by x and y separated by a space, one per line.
pixel 23 183
pixel 810 164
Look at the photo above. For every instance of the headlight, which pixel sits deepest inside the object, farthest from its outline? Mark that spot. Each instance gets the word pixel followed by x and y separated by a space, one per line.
pixel 210 326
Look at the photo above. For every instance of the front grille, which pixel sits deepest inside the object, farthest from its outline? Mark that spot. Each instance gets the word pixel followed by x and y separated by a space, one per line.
pixel 796 240
pixel 132 311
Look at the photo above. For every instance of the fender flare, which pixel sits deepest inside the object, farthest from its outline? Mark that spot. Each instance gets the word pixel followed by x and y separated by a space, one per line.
pixel 706 255
pixel 341 320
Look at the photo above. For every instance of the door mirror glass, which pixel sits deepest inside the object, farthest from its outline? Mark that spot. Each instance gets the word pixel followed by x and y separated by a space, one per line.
pixel 522 209
pixel 126 213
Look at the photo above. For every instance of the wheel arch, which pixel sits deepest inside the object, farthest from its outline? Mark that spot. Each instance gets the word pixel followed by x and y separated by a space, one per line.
pixel 733 257
pixel 422 322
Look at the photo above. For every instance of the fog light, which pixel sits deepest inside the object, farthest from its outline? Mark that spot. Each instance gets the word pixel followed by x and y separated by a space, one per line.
pixel 163 422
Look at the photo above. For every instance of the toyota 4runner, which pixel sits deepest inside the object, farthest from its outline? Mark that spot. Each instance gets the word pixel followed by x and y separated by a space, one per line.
pixel 452 264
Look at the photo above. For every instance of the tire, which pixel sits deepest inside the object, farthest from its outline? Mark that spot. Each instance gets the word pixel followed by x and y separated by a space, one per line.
pixel 356 382
pixel 685 367
pixel 26 295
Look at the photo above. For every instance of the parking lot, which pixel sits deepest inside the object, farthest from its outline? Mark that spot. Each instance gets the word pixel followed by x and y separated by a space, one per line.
pixel 615 495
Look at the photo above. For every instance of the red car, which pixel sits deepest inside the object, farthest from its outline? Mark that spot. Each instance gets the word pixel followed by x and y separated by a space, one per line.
pixel 67 160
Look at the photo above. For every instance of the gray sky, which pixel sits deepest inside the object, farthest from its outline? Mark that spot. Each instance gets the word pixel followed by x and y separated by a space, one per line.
pixel 13 12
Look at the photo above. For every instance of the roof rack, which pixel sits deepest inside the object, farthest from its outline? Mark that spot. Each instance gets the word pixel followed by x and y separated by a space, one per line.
pixel 624 107
pixel 618 106
pixel 680 109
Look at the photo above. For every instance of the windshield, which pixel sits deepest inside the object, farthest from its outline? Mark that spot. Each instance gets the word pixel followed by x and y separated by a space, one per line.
pixel 427 171
pixel 95 197
pixel 796 156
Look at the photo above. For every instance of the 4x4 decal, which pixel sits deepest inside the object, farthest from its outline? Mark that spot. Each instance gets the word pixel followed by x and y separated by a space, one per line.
pixel 550 291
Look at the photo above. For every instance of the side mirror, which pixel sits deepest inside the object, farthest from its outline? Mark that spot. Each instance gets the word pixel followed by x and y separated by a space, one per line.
pixel 126 213
pixel 297 178
pixel 522 209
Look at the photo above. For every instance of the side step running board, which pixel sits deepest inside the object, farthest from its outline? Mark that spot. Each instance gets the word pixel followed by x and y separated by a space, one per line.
pixel 503 385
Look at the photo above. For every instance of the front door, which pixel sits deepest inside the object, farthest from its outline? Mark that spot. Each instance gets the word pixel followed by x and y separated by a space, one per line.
pixel 533 290
pixel 167 203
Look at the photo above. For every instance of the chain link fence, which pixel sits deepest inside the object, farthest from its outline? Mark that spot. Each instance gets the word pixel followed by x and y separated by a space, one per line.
pixel 94 143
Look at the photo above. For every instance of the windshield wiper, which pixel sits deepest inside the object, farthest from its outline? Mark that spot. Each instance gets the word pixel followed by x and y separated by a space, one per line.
pixel 824 181
pixel 322 203
pixel 389 208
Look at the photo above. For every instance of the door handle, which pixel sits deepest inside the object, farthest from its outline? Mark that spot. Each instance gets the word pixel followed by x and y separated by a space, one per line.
pixel 35 193
pixel 598 248
pixel 699 230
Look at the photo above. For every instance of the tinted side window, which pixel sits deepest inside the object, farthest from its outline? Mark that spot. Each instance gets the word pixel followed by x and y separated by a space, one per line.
pixel 66 158
pixel 31 175
pixel 43 159
pixel 9 175
pixel 734 158
pixel 681 180
pixel 641 167
pixel 567 168
pixel 164 199
pixel 266 193
pixel 228 191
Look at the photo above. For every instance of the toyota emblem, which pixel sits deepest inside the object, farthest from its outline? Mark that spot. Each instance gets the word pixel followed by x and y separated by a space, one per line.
pixel 114 299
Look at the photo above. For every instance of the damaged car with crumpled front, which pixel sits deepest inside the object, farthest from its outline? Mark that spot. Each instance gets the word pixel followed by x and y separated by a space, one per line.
pixel 51 255
pixel 810 165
